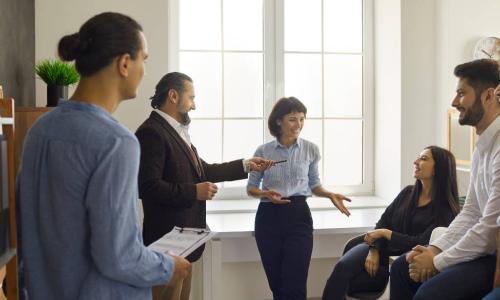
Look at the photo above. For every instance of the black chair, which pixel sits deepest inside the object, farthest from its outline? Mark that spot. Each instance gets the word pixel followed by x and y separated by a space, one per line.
pixel 363 295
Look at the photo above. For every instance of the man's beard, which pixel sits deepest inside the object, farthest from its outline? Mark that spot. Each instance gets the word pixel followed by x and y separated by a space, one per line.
pixel 474 115
pixel 186 120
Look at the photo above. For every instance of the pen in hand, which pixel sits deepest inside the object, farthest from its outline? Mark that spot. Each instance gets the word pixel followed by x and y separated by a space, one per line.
pixel 272 163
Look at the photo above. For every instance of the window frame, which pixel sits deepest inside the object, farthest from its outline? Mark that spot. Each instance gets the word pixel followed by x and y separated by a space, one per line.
pixel 273 85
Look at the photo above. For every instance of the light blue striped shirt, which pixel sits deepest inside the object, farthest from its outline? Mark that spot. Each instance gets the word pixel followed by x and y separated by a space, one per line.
pixel 295 177
pixel 78 196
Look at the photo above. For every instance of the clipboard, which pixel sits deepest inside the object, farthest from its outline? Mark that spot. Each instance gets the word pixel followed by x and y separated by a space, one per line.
pixel 182 241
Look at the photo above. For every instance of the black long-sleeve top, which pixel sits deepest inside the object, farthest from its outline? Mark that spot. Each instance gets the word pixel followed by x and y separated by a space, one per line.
pixel 406 234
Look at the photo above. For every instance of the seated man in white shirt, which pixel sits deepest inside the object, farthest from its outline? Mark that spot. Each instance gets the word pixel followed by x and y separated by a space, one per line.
pixel 460 264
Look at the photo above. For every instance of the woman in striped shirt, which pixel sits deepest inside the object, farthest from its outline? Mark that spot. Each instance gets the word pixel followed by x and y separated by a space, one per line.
pixel 283 224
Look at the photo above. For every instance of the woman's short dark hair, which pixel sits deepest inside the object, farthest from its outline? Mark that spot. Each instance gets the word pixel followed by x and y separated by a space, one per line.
pixel 283 107
pixel 173 80
pixel 480 74
pixel 101 39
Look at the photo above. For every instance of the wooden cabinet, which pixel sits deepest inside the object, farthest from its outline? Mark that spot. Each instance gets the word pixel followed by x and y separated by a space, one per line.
pixel 25 117
pixel 21 120
pixel 9 257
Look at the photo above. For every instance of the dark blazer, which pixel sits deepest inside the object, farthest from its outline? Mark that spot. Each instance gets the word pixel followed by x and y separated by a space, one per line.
pixel 168 178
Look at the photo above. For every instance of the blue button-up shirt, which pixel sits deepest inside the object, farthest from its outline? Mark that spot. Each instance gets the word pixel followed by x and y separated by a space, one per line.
pixel 295 177
pixel 78 197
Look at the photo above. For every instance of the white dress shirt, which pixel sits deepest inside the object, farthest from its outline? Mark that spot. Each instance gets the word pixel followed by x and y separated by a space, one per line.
pixel 472 233
pixel 182 130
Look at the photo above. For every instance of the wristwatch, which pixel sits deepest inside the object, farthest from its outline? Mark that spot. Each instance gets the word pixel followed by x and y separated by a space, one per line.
pixel 246 165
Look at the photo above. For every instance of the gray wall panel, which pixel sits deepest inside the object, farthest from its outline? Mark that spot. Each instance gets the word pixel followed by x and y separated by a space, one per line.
pixel 17 50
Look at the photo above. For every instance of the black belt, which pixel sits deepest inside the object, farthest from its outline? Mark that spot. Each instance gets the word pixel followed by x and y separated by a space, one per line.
pixel 295 198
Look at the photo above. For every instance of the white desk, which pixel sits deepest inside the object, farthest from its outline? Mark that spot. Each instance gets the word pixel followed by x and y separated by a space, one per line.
pixel 234 222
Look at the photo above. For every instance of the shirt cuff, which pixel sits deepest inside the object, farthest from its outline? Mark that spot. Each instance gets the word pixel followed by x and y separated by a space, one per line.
pixel 441 244
pixel 315 185
pixel 168 264
pixel 246 165
pixel 439 262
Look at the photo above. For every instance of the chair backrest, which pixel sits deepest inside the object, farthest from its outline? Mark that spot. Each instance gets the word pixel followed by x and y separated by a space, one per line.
pixel 436 233
pixel 361 295
pixel 353 242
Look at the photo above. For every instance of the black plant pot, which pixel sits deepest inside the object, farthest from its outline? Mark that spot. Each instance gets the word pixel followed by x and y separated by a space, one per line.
pixel 55 93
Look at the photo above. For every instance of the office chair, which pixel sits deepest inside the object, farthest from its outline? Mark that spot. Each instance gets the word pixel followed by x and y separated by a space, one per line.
pixel 363 295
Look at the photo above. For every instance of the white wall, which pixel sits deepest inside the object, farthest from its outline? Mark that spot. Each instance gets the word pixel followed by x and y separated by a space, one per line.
pixel 404 89
pixel 417 46
pixel 461 24
pixel 387 47
pixel 56 18
pixel 417 82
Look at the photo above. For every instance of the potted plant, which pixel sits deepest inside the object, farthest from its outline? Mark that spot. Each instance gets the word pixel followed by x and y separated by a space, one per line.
pixel 58 75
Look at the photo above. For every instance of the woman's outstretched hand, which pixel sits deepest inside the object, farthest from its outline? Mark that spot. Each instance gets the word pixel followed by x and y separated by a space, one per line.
pixel 338 201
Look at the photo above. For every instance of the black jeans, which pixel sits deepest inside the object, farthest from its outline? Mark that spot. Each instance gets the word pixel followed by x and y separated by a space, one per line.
pixel 284 239
pixel 468 281
pixel 349 274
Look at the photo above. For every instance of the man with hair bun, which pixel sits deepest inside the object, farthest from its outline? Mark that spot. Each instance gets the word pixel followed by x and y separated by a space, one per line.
pixel 77 186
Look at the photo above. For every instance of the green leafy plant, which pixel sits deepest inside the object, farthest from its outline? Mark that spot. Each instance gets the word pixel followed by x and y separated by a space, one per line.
pixel 56 72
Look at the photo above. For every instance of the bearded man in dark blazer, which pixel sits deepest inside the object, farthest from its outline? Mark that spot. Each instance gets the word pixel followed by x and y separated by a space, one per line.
pixel 174 182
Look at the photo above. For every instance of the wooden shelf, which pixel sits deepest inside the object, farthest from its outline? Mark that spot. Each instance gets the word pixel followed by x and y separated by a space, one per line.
pixel 24 119
pixel 4 259
pixel 7 111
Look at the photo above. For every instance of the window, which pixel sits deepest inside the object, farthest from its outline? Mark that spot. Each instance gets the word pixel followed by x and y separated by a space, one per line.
pixel 243 55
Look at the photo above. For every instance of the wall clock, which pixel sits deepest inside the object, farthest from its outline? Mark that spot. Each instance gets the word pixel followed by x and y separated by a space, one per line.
pixel 488 47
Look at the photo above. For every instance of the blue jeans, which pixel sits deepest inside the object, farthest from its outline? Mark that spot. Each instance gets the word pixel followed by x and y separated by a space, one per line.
pixel 349 274
pixel 494 295
pixel 468 281
pixel 284 239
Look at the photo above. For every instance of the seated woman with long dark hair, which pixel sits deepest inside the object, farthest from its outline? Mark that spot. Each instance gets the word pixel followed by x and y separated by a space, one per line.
pixel 407 222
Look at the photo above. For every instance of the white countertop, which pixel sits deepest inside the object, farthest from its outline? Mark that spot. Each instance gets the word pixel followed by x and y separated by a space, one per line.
pixel 235 218
pixel 315 203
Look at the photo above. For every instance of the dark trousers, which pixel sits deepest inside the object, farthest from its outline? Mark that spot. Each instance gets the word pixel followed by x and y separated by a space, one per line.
pixel 284 239
pixel 468 281
pixel 349 274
